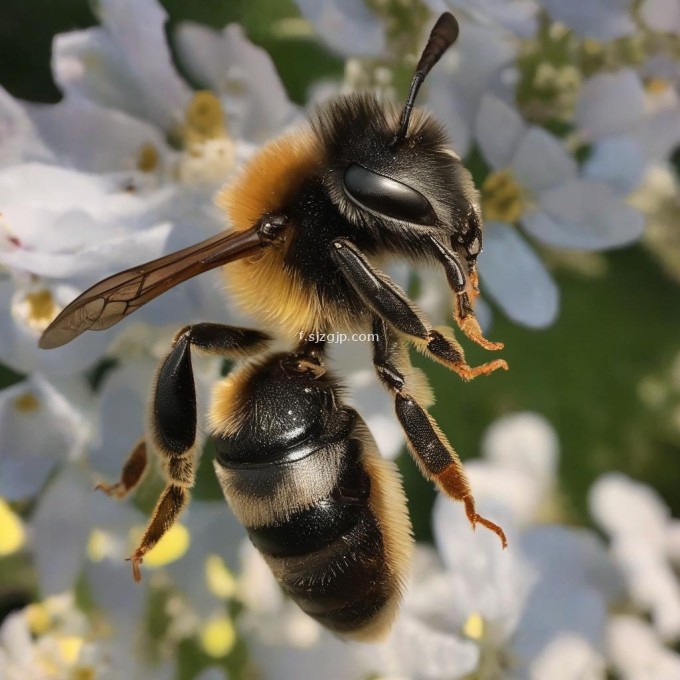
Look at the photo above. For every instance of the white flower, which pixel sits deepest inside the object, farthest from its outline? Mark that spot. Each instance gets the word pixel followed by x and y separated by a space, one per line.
pixel 630 127
pixel 19 140
pixel 348 26
pixel 535 610
pixel 518 16
pixel 126 193
pixel 640 527
pixel 242 75
pixel 636 652
pixel 535 181
pixel 60 228
pixel 40 426
pixel 53 639
pixel 455 88
pixel 598 19
pixel 661 15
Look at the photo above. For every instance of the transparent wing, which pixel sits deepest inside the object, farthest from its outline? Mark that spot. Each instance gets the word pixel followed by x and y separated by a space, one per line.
pixel 112 299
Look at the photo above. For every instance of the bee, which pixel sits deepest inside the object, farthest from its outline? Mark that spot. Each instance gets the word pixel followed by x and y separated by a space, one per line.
pixel 315 213
pixel 299 469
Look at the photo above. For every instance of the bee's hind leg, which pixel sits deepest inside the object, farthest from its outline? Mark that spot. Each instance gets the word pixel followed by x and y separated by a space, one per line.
pixel 435 457
pixel 174 419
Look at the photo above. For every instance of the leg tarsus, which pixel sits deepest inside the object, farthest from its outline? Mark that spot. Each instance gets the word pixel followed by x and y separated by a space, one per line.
pixel 465 288
pixel 467 322
pixel 449 353
pixel 168 509
pixel 476 518
pixel 131 475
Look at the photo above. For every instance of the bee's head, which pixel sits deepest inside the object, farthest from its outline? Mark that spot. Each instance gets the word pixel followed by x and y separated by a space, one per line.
pixel 388 167
pixel 372 179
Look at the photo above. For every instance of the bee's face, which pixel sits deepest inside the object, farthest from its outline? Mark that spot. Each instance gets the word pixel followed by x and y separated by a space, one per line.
pixel 374 182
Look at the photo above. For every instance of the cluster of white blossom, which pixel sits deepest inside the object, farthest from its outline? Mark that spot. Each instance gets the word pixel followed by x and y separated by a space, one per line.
pixel 124 169
pixel 608 74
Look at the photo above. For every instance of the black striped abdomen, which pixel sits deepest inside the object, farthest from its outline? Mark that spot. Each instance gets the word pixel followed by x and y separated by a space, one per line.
pixel 339 554
pixel 330 557
pixel 303 475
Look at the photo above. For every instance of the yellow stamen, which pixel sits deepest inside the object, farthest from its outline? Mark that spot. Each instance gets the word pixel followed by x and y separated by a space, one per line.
pixel 69 648
pixel 38 619
pixel 38 309
pixel 657 86
pixel 221 582
pixel 147 158
pixel 503 199
pixel 204 119
pixel 12 535
pixel 98 545
pixel 592 47
pixel 474 627
pixel 26 403
pixel 217 637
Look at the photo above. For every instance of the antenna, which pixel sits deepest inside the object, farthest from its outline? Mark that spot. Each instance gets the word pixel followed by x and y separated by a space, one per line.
pixel 443 35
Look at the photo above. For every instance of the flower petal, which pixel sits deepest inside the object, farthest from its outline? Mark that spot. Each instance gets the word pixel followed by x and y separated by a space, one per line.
pixel 572 567
pixel 610 103
pixel 95 261
pixel 585 215
pixel 19 141
pixel 61 528
pixel 620 161
pixel 514 276
pixel 651 582
pixel 348 26
pixel 39 427
pixel 37 197
pixel 623 507
pixel 93 138
pixel 661 15
pixel 658 135
pixel 518 16
pixel 541 161
pixel 123 400
pixel 525 442
pixel 569 656
pixel 496 580
pixel 499 130
pixel 212 673
pixel 598 19
pixel 121 67
pixel 636 651
pixel 137 27
pixel 418 650
pixel 462 77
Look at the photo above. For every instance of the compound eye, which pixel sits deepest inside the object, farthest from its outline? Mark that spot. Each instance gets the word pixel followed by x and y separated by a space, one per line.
pixel 371 191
